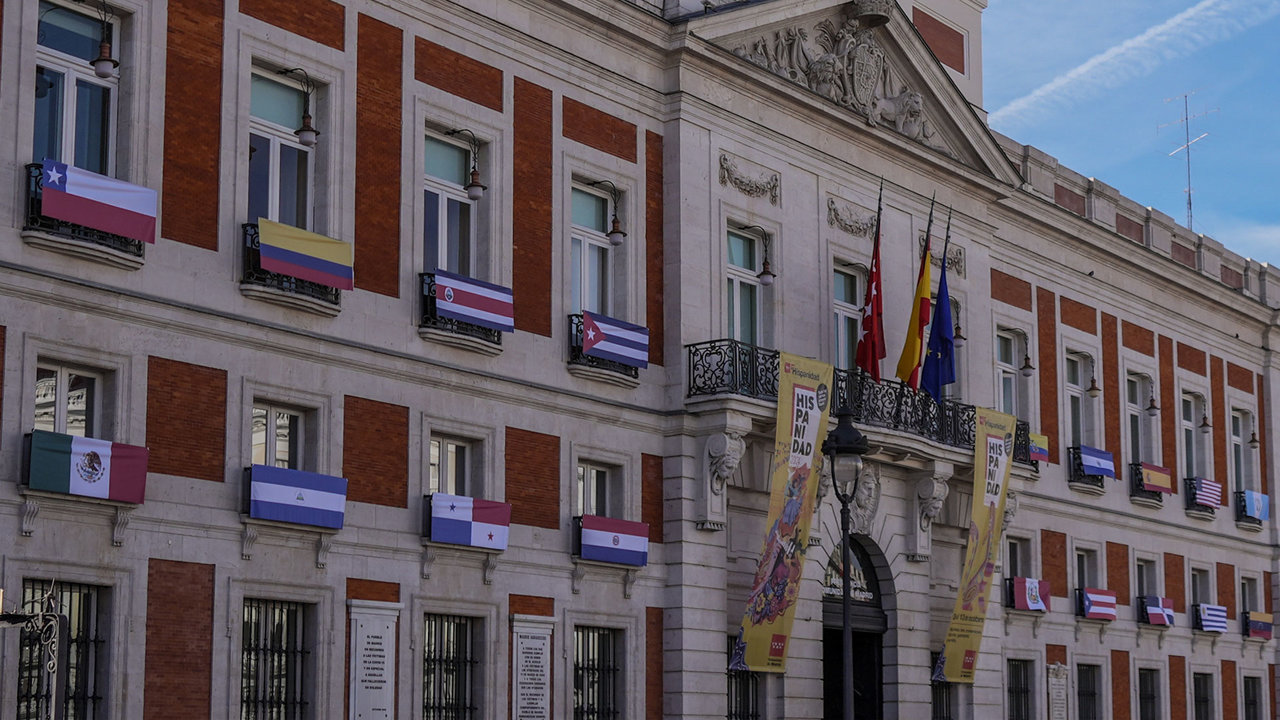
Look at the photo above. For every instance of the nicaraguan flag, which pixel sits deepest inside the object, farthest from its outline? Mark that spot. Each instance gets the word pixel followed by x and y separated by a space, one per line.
pixel 1039 447
pixel 296 496
pixel 1159 610
pixel 1213 618
pixel 305 255
pixel 1031 594
pixel 97 201
pixel 1258 625
pixel 474 301
pixel 87 467
pixel 1099 604
pixel 615 541
pixel 609 339
pixel 1257 505
pixel 461 520
pixel 1097 462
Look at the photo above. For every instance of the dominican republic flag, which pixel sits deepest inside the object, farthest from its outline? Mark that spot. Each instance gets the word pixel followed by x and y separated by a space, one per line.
pixel 1257 505
pixel 1208 493
pixel 614 541
pixel 1213 618
pixel 460 520
pixel 296 496
pixel 609 339
pixel 87 467
pixel 98 202
pixel 1258 625
pixel 1156 478
pixel 1031 594
pixel 1159 610
pixel 305 255
pixel 1097 462
pixel 474 301
pixel 1098 604
pixel 1039 447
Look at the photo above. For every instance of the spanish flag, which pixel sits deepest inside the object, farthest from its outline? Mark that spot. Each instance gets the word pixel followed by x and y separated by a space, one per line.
pixel 909 363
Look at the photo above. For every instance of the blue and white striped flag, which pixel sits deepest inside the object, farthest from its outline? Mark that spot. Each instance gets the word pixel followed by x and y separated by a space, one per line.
pixel 1097 462
pixel 1213 618
pixel 609 339
pixel 296 496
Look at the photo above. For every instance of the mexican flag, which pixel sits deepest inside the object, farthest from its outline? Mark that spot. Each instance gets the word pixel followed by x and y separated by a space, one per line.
pixel 85 466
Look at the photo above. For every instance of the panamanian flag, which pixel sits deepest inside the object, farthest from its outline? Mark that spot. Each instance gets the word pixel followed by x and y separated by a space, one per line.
pixel 609 339
pixel 461 520
pixel 97 201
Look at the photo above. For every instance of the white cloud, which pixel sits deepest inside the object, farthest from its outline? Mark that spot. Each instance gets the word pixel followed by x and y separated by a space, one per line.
pixel 1203 24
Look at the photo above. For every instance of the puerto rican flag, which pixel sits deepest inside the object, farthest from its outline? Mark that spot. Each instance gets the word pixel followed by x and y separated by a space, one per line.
pixel 98 202
pixel 614 541
pixel 1159 610
pixel 1031 594
pixel 462 520
pixel 474 301
pixel 609 339
pixel 1098 604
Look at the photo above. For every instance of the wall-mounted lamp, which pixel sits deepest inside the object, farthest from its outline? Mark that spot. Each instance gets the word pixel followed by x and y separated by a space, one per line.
pixel 1094 391
pixel 615 234
pixel 765 276
pixel 1205 427
pixel 104 66
pixel 1153 409
pixel 957 338
pixel 475 190
pixel 1027 368
pixel 307 134
pixel 1253 440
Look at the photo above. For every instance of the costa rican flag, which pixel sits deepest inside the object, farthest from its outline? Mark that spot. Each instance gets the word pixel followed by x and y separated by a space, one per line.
pixel 1031 594
pixel 1099 604
pixel 614 541
pixel 609 339
pixel 1213 618
pixel 1159 610
pixel 474 301
pixel 1097 462
pixel 97 201
pixel 1208 493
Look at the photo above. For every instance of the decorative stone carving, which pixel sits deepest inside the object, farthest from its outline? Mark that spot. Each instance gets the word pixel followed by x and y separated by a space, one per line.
pixel 930 496
pixel 119 525
pixel 324 544
pixel 30 509
pixel 768 184
pixel 629 583
pixel 720 461
pixel 847 218
pixel 824 486
pixel 428 559
pixel 955 256
pixel 490 567
pixel 247 539
pixel 1010 509
pixel 866 499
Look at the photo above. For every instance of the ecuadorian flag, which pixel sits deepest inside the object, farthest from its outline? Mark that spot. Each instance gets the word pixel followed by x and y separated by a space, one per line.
pixel 305 255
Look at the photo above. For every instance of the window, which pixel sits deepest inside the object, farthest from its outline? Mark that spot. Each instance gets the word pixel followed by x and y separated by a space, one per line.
pixel 273 660
pixel 744 692
pixel 280 172
pixel 1018 558
pixel 1089 691
pixel 81 698
pixel 848 312
pixel 596 684
pixel 1145 576
pixel 449 217
pixel 67 400
pixel 448 667
pixel 1086 568
pixel 1191 416
pixel 1148 694
pixel 1018 682
pixel 1240 454
pixel 1201 586
pixel 1202 696
pixel 1252 698
pixel 75 110
pixel 591 256
pixel 1012 396
pixel 450 466
pixel 943 705
pixel 1249 594
pixel 1138 397
pixel 277 436
pixel 743 300
pixel 596 491
pixel 1079 383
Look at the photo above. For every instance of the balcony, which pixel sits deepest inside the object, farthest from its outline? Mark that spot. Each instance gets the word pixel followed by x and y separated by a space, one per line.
pixel 1244 520
pixel 61 236
pixel 283 289
pixel 1138 493
pixel 450 330
pixel 1194 508
pixel 1080 481
pixel 730 367
pixel 595 367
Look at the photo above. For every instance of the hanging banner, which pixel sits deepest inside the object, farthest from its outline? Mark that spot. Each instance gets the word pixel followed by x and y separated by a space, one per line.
pixel 992 460
pixel 804 394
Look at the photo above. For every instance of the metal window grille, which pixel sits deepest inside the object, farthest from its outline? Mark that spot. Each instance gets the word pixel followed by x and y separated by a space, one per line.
pixel 1202 696
pixel 83 605
pixel 1087 692
pixel 448 668
pixel 1148 694
pixel 1252 698
pixel 1019 679
pixel 744 692
pixel 595 673
pixel 273 661
pixel 940 690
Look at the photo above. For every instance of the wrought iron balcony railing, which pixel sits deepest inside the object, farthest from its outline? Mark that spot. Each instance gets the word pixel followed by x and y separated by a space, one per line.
pixel 432 319
pixel 255 275
pixel 578 357
pixel 1078 474
pixel 35 219
pixel 1190 486
pixel 730 367
pixel 1136 488
pixel 1242 511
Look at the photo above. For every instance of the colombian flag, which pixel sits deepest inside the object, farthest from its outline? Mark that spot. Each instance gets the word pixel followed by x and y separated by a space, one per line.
pixel 305 255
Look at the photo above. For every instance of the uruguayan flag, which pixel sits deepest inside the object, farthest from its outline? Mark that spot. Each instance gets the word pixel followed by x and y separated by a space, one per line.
pixel 1213 618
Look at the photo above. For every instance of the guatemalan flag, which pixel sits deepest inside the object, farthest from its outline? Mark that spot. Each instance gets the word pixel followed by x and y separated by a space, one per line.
pixel 1097 462
pixel 1159 610
pixel 297 496
pixel 461 520
pixel 1257 505
pixel 1098 604
pixel 614 541
pixel 474 301
pixel 98 202
pixel 609 339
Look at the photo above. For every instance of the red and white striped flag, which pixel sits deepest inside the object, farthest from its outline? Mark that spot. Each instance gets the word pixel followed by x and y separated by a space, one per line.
pixel 1208 493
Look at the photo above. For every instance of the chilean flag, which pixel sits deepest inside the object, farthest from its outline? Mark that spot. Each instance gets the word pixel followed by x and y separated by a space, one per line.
pixel 474 301
pixel 614 541
pixel 462 520
pixel 98 202
pixel 609 339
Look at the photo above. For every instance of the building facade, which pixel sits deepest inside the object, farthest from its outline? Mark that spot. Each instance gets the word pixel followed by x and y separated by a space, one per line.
pixel 740 148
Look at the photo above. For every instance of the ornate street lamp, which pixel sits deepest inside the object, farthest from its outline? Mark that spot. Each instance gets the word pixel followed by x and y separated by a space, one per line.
pixel 844 448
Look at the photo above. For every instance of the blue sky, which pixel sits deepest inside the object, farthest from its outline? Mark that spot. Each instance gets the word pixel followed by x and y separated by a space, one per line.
pixel 1086 82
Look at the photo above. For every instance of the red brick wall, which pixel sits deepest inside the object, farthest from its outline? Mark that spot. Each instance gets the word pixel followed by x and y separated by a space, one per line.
pixel 651 495
pixel 1047 342
pixel 1055 654
pixel 1079 316
pixel 1177 687
pixel 594 128
pixel 1220 419
pixel 1191 359
pixel 179 646
pixel 1226 576
pixel 531 202
pixel 1138 338
pixel 1230 708
pixel 1119 685
pixel 192 133
pixel 457 74
pixel 1183 254
pixel 323 21
pixel 655 257
pixel 1129 228
pixel 1010 290
pixel 653 663
pixel 533 478
pixel 1232 277
pixel 1118 571
pixel 1169 409
pixel 190 444
pixel 1069 199
pixel 1053 559
pixel 1175 583
pixel 1240 378
pixel 1111 391
pixel 375 452
pixel 378 138
pixel 531 605
pixel 376 590
pixel 945 41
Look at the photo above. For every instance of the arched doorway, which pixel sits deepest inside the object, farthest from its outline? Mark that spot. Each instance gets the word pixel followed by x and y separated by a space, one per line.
pixel 869 621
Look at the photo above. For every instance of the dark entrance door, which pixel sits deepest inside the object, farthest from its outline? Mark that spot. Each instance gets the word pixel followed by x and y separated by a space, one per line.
pixel 867 676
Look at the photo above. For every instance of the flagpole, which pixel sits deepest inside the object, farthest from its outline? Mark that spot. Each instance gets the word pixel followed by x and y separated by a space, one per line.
pixel 924 258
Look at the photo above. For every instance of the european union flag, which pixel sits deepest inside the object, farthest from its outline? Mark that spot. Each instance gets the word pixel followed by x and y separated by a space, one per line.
pixel 939 360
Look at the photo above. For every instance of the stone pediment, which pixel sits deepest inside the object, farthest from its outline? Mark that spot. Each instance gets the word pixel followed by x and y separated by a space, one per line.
pixel 884 75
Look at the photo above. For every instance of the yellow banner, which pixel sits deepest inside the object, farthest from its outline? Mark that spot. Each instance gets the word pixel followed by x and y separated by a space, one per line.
pixel 804 395
pixel 992 459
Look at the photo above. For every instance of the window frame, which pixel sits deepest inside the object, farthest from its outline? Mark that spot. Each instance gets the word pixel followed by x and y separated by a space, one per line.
pixel 63 372
pixel 299 446
pixel 446 190
pixel 1097 704
pixel 1252 704
pixel 846 313
pixel 1197 577
pixel 1089 553
pixel 623 502
pixel 440 467
pixel 739 277
pixel 485 454
pixel 587 238
pixel 486 678
pixel 1088 406
pixel 1156 693
pixel 1021 391
pixel 278 137
pixel 1147 583
pixel 1209 704
pixel 1027 693
pixel 97 655
pixel 1240 457
pixel 632 665
pixel 315 409
pixel 1191 439
pixel 303 676
pixel 1135 416
pixel 1019 560
pixel 1249 595
pixel 320 601
pixel 469 666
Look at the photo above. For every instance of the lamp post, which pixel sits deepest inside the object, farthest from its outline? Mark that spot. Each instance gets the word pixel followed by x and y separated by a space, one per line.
pixel 844 448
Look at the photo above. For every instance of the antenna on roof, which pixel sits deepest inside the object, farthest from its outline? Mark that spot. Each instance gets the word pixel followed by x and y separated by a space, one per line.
pixel 1186 127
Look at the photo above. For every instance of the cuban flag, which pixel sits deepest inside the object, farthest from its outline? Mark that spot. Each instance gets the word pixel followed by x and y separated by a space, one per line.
pixel 1031 594
pixel 474 301
pixel 1159 610
pixel 1098 604
pixel 1213 618
pixel 1208 493
pixel 1258 625
pixel 1097 462
pixel 98 202
pixel 609 339
pixel 296 496
pixel 460 520
pixel 1257 505
pixel 614 541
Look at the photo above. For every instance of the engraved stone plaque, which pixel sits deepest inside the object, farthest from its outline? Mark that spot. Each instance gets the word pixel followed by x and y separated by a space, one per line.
pixel 373 660
pixel 531 669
